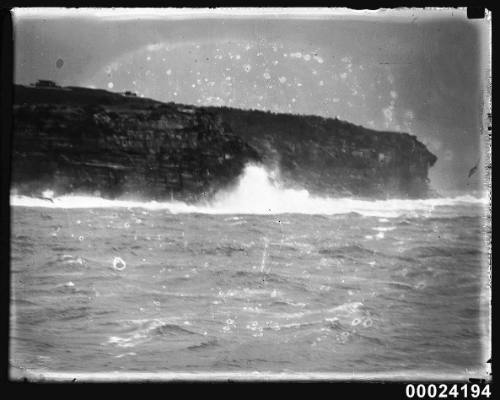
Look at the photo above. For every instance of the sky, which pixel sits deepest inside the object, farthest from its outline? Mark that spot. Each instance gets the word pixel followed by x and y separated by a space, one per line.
pixel 418 71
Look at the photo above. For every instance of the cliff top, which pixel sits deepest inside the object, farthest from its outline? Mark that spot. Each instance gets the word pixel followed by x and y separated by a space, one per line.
pixel 80 96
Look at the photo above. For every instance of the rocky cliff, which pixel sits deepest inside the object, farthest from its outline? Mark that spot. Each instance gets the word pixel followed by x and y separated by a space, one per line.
pixel 332 156
pixel 87 140
pixel 84 140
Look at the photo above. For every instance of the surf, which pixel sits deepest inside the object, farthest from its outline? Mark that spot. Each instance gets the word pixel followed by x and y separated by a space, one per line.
pixel 258 191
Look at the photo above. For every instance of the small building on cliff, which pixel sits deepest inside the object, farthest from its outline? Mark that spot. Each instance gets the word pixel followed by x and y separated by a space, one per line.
pixel 44 83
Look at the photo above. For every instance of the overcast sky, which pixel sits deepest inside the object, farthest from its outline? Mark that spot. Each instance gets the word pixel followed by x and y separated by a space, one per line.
pixel 420 72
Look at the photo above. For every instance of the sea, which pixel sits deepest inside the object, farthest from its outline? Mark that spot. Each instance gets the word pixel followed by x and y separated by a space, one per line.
pixel 262 280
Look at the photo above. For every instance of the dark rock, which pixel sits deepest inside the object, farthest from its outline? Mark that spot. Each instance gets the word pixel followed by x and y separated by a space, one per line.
pixel 334 157
pixel 87 140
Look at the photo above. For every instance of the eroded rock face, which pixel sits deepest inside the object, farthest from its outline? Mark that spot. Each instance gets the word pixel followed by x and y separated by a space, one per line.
pixel 94 141
pixel 334 157
pixel 118 147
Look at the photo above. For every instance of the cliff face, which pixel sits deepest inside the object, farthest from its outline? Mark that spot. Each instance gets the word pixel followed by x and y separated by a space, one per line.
pixel 76 139
pixel 88 141
pixel 334 156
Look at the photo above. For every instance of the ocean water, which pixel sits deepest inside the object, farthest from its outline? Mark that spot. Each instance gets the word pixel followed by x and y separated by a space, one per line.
pixel 262 279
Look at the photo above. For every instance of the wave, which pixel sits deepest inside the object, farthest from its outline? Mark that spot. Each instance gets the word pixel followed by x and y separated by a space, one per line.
pixel 259 191
pixel 145 330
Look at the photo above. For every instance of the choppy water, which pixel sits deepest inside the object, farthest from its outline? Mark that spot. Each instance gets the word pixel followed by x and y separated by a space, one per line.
pixel 118 287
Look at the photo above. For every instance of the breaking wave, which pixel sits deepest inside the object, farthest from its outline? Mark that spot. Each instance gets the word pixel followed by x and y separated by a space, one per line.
pixel 259 191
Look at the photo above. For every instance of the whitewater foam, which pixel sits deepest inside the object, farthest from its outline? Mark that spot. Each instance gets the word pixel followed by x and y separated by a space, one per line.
pixel 258 191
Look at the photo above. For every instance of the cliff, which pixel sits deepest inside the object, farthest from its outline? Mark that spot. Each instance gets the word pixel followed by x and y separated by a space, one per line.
pixel 334 156
pixel 85 140
pixel 88 140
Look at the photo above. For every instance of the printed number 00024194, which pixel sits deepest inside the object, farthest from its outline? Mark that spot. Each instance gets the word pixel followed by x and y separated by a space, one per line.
pixel 444 391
